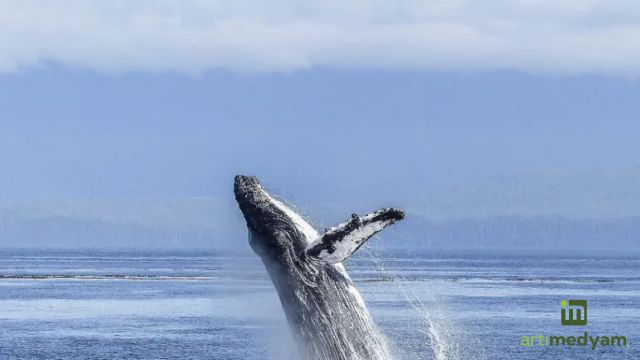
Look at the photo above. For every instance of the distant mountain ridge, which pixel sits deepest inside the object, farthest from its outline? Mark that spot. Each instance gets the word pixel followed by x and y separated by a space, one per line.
pixel 135 223
pixel 532 209
pixel 540 232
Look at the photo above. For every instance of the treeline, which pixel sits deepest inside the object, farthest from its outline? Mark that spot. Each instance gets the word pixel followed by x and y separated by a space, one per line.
pixel 69 232
pixel 415 232
pixel 519 232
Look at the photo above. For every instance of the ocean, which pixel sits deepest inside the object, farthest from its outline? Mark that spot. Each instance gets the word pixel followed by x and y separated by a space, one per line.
pixel 456 304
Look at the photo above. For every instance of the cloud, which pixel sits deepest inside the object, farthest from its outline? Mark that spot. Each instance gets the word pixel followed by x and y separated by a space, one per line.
pixel 553 36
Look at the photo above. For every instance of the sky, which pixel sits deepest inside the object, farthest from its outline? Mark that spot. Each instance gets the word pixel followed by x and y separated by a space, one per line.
pixel 193 36
pixel 326 101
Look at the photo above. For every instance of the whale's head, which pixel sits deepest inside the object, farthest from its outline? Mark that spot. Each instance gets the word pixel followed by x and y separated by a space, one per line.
pixel 275 230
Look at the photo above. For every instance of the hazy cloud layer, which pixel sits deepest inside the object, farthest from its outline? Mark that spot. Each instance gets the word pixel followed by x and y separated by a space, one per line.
pixel 563 36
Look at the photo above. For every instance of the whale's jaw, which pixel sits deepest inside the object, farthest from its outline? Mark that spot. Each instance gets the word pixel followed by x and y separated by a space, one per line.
pixel 253 202
pixel 274 229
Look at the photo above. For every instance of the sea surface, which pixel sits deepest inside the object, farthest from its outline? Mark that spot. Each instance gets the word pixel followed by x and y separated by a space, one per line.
pixel 62 304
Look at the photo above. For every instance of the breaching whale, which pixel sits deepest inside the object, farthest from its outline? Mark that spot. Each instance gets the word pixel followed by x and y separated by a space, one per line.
pixel 325 312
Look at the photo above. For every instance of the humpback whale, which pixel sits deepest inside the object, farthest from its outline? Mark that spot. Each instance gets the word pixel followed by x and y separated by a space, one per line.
pixel 325 312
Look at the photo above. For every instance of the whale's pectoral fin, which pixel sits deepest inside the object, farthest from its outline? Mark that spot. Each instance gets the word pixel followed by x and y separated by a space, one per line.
pixel 339 242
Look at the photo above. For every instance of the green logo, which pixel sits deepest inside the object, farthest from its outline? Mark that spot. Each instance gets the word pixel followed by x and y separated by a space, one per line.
pixel 573 312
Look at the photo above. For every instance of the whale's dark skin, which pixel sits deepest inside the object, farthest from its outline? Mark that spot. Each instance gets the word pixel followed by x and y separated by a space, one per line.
pixel 324 310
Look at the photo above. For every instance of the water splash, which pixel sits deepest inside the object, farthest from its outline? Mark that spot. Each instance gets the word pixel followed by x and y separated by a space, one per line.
pixel 446 340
